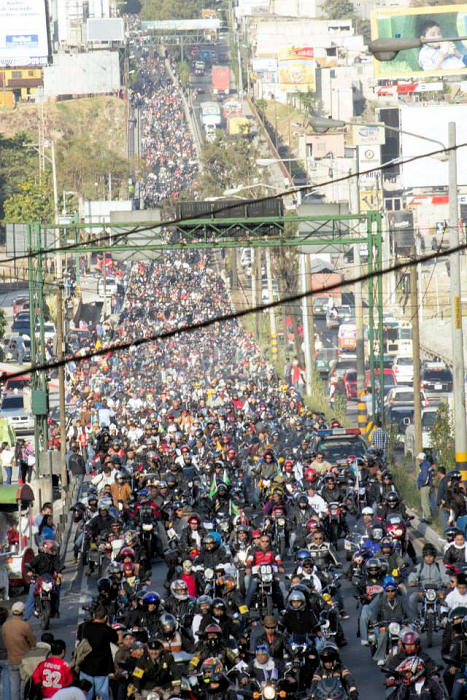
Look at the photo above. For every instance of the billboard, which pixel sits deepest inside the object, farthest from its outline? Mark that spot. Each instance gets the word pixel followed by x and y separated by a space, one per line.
pixel 431 122
pixel 368 134
pixel 105 30
pixel 297 70
pixel 23 33
pixel 264 64
pixel 252 7
pixel 434 58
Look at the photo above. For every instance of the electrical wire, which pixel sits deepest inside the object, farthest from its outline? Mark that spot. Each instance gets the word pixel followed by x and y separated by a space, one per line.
pixel 222 318
pixel 180 220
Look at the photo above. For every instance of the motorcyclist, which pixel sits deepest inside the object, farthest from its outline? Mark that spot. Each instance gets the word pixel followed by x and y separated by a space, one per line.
pixel 212 644
pixel 409 645
pixel 330 666
pixel 427 572
pixel 213 683
pixel 264 554
pixel 219 616
pixel 179 603
pixel 47 561
pixel 390 606
pixel 392 505
pixel 299 516
pixel 298 617
pixel 416 682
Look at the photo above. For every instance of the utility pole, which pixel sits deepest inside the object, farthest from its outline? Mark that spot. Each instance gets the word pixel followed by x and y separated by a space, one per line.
pixel 458 388
pixel 358 287
pixel 259 290
pixel 417 404
pixel 61 387
pixel 272 312
pixel 308 326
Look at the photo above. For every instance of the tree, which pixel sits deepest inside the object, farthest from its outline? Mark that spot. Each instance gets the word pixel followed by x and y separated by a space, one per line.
pixel 17 162
pixel 33 202
pixel 228 164
pixel 171 9
pixel 442 438
pixel 338 9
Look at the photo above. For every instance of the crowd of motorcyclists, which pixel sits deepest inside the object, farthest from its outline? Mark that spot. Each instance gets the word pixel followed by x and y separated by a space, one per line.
pixel 197 457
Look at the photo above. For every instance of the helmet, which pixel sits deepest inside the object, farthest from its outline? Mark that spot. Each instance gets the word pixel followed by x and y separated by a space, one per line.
pixel 302 498
pixel 262 649
pixel 127 552
pixel 194 518
pixel 218 603
pixel 179 589
pixel 392 498
pixel 212 668
pixel 312 525
pixel 212 629
pixel 373 566
pixel 104 503
pixel 310 475
pixel 410 638
pixel 329 653
pixel 450 533
pixel 376 534
pixel 151 598
pixel 104 585
pixel 368 511
pixel 49 545
pixel 115 567
pixel 229 582
pixel 455 475
pixel 168 624
pixel 387 542
pixel 204 600
pixel 389 583
pixel 210 539
pixel 428 550
pixel 301 555
pixel 329 477
pixel 297 596
pixel 458 612
pixel 411 669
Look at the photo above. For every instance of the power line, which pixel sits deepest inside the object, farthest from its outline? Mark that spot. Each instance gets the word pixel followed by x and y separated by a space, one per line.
pixel 258 200
pixel 199 325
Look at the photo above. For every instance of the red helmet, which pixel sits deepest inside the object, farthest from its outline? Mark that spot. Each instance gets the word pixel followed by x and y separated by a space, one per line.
pixel 194 518
pixel 256 533
pixel 127 552
pixel 310 475
pixel 411 669
pixel 184 449
pixel 213 629
pixel 312 525
pixel 231 453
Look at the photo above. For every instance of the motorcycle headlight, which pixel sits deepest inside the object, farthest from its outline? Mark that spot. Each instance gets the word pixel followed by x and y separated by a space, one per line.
pixel 269 692
pixel 430 595
pixel 241 556
pixel 281 521
pixel 147 527
pixel 208 574
pixel 47 586
pixel 394 628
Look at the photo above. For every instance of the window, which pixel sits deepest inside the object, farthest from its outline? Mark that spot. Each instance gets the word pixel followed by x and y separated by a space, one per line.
pixel 31 73
pixel 17 74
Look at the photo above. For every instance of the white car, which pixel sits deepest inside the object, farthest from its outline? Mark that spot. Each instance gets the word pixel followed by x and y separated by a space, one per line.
pixel 110 286
pixel 428 421
pixel 403 396
pixel 403 369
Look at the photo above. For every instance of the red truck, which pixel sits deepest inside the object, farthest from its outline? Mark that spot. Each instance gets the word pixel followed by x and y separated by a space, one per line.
pixel 220 80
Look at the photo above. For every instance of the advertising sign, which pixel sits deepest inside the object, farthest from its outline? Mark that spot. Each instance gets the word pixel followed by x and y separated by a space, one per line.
pixel 297 73
pixel 370 200
pixel 368 134
pixel 252 7
pixel 368 157
pixel 265 64
pixel 430 24
pixel 23 33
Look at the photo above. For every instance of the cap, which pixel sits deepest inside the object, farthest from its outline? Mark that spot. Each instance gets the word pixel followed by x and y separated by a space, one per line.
pixel 17 608
pixel 137 645
pixel 127 633
pixel 421 456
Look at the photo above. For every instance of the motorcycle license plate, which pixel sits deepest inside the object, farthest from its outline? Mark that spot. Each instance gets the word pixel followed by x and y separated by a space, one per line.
pixel 347 545
pixel 438 387
pixel 171 533
pixel 93 555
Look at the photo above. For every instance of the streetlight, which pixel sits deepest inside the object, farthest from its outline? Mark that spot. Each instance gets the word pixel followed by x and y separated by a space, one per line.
pixel 264 162
pixel 240 188
pixel 387 50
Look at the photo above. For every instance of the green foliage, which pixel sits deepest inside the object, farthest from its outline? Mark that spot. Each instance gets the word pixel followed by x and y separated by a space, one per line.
pixel 171 9
pixel 17 162
pixel 132 7
pixel 406 483
pixel 442 438
pixel 338 9
pixel 3 323
pixel 228 164
pixel 32 202
pixel 261 105
pixel 184 72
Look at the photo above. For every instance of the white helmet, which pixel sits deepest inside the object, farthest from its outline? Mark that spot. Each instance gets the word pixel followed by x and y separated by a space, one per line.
pixel 368 511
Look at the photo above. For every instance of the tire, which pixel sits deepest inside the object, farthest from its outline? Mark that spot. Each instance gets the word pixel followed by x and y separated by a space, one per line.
pixel 429 631
pixel 44 614
pixel 269 605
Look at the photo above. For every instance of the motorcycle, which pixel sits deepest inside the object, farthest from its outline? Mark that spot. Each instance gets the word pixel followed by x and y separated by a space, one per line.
pixel 393 635
pixel 43 593
pixel 146 519
pixel 430 612
pixel 264 574
pixel 396 528
pixel 329 688
pixel 301 659
pixel 335 522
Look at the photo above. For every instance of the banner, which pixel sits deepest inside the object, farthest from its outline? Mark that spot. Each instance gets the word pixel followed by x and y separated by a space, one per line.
pixel 297 72
pixel 23 33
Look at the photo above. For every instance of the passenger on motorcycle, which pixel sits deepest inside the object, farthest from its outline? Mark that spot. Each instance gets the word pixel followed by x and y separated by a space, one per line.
pixel 416 682
pixel 262 669
pixel 428 572
pixel 387 607
pixel 212 643
pixel 299 516
pixel 409 645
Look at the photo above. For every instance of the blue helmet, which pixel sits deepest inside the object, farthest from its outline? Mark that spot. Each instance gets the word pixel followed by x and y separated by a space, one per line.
pixel 302 554
pixel 151 598
pixel 389 582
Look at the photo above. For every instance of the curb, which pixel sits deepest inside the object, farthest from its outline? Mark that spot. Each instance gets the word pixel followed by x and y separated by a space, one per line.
pixel 426 532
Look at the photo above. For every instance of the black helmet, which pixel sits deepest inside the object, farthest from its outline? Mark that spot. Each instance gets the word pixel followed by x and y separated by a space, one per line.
pixel 450 533
pixel 455 475
pixel 104 585
pixel 458 612
pixel 392 498
pixel 329 653
pixel 373 566
pixel 218 603
pixel 428 550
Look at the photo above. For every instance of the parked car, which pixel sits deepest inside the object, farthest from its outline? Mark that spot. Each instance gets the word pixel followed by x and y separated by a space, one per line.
pixel 325 361
pixel 320 306
pixel 21 325
pixel 50 331
pixel 428 421
pixel 403 369
pixel 20 303
pixel 389 379
pixel 400 418
pixel 436 378
pixel 13 409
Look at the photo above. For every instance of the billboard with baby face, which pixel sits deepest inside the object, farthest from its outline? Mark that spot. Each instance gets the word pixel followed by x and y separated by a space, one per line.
pixel 430 24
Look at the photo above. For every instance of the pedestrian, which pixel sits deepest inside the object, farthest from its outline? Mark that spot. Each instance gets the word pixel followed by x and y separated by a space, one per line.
pixel 78 690
pixel 4 680
pixel 53 673
pixel 441 496
pixel 379 439
pixel 425 484
pixel 20 348
pixel 98 664
pixel 18 639
pixel 76 463
pixel 7 456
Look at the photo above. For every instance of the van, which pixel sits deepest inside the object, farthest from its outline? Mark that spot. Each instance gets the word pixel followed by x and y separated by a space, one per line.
pixel 347 336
